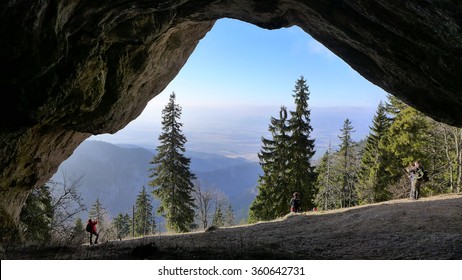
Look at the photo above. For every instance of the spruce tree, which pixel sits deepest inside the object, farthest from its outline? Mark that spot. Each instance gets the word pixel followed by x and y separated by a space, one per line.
pixel 408 136
pixel 347 163
pixel 329 195
pixel 373 177
pixel 394 106
pixel 406 140
pixel 172 179
pixel 229 216
pixel 143 214
pixel 218 217
pixel 78 232
pixel 37 216
pixel 302 174
pixel 122 225
pixel 274 185
pixel 99 213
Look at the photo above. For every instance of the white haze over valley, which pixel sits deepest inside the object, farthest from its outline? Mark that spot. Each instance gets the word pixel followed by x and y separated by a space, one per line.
pixel 237 131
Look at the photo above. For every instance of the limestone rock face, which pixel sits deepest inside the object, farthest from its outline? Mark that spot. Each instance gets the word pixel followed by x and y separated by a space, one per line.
pixel 70 69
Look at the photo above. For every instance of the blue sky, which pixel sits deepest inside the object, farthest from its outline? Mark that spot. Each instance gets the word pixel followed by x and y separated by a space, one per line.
pixel 238 63
pixel 239 75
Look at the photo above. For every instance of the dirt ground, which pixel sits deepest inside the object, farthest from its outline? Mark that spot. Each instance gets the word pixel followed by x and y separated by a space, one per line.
pixel 430 228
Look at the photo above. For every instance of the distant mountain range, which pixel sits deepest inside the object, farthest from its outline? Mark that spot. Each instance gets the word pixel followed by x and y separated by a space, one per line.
pixel 115 174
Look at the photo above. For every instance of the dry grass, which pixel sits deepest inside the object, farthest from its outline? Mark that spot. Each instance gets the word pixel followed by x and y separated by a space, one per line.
pixel 430 228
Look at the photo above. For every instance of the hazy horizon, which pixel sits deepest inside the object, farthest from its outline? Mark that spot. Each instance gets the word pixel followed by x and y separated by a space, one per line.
pixel 237 132
pixel 240 75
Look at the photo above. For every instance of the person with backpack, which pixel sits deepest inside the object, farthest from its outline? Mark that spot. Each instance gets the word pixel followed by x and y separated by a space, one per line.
pixel 91 228
pixel 295 203
pixel 417 174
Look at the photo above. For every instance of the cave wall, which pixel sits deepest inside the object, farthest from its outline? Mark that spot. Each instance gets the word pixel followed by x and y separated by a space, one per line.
pixel 70 69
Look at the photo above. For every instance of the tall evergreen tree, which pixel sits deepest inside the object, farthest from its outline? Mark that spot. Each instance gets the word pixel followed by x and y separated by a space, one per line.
pixel 173 181
pixel 98 212
pixel 347 161
pixel 122 225
pixel 229 216
pixel 274 185
pixel 394 106
pixel 302 173
pixel 329 195
pixel 406 141
pixel 218 217
pixel 408 136
pixel 78 232
pixel 37 215
pixel 373 177
pixel 143 214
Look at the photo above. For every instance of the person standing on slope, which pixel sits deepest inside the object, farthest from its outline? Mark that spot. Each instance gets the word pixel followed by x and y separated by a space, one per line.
pixel 91 228
pixel 295 203
pixel 417 176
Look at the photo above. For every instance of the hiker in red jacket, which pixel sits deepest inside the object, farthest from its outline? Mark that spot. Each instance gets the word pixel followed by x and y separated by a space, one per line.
pixel 91 228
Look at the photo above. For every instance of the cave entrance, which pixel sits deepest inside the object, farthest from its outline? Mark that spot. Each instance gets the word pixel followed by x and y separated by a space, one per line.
pixel 239 75
pixel 236 79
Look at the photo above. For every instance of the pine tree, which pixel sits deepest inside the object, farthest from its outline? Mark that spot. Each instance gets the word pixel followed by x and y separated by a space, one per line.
pixel 408 136
pixel 229 216
pixel 122 225
pixel 37 215
pixel 218 217
pixel 394 106
pixel 274 185
pixel 347 161
pixel 286 161
pixel 373 177
pixel 406 141
pixel 329 195
pixel 143 214
pixel 302 174
pixel 78 232
pixel 172 181
pixel 99 213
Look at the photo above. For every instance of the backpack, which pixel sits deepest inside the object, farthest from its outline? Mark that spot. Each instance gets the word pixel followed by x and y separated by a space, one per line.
pixel 89 228
pixel 422 175
pixel 295 203
pixel 425 176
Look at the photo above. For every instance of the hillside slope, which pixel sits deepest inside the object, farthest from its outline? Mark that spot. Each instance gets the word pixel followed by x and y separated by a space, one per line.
pixel 430 228
pixel 116 174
